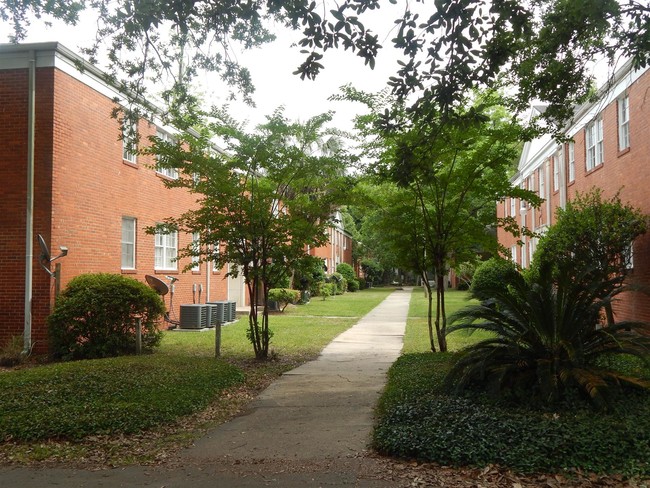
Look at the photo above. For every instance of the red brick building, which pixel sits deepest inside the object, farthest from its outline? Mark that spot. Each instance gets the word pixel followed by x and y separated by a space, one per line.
pixel 90 194
pixel 609 148
pixel 338 249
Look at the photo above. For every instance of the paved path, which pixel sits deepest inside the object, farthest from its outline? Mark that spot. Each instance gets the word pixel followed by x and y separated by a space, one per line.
pixel 309 428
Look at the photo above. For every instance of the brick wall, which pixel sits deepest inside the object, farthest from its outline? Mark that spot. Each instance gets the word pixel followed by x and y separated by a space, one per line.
pixel 622 171
pixel 83 189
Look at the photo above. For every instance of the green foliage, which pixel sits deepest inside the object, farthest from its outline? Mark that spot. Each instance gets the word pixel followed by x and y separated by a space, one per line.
pixel 280 184
pixel 363 284
pixel 592 233
pixel 417 419
pixel 309 272
pixel 490 274
pixel 353 285
pixel 284 297
pixel 11 353
pixel 75 400
pixel 347 271
pixel 326 289
pixel 339 282
pixel 547 341
pixel 372 270
pixel 96 317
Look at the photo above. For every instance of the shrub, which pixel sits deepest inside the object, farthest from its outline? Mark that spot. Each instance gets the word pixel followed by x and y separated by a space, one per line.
pixel 547 341
pixel 418 419
pixel 326 289
pixel 96 316
pixel 11 353
pixel 339 282
pixel 284 297
pixel 308 274
pixel 372 270
pixel 491 274
pixel 363 284
pixel 353 285
pixel 347 271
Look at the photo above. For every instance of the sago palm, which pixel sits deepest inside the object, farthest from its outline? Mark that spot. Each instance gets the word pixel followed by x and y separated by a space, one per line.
pixel 546 337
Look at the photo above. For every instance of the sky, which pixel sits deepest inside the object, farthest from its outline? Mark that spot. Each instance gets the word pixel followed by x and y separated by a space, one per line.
pixel 271 68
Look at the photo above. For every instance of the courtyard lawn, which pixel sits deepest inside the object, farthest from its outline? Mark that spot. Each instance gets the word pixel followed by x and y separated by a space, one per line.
pixel 418 419
pixel 130 409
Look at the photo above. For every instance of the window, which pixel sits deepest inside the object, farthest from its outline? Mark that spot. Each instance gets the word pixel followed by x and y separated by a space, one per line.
pixel 513 207
pixel 166 249
pixel 623 123
pixel 513 254
pixel 594 143
pixel 542 184
pixel 168 172
pixel 628 256
pixel 215 253
pixel 129 140
pixel 523 256
pixel 128 243
pixel 556 171
pixel 196 247
pixel 572 161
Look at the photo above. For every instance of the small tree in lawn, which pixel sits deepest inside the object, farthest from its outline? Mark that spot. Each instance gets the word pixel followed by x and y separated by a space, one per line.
pixel 261 203
pixel 453 169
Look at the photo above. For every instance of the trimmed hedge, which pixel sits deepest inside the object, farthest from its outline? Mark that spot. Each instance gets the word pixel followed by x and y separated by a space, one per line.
pixel 418 420
pixel 284 297
pixel 96 317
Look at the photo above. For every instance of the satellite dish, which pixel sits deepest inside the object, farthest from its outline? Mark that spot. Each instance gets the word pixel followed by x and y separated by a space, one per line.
pixel 159 285
pixel 45 252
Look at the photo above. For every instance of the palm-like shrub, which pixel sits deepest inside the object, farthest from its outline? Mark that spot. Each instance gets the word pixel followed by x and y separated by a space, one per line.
pixel 546 341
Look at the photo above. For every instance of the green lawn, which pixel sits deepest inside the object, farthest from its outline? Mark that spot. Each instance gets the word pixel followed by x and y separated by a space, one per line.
pixel 57 411
pixel 416 338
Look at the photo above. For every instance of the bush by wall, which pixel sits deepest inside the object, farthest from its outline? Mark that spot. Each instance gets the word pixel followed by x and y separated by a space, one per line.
pixel 491 273
pixel 284 297
pixel 96 316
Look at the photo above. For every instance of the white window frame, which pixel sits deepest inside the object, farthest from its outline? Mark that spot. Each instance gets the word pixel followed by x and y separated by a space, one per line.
pixel 171 173
pixel 129 138
pixel 594 143
pixel 128 242
pixel 513 207
pixel 166 251
pixel 572 161
pixel 216 251
pixel 623 123
pixel 542 181
pixel 196 238
pixel 513 254
pixel 556 171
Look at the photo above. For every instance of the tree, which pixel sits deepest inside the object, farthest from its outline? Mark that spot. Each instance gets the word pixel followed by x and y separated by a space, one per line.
pixel 260 203
pixel 595 234
pixel 450 47
pixel 454 170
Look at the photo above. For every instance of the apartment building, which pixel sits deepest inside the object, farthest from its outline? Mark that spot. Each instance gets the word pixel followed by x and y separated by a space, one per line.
pixel 609 148
pixel 90 193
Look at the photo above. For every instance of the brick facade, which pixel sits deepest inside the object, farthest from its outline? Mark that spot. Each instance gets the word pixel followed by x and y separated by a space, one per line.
pixel 622 170
pixel 83 188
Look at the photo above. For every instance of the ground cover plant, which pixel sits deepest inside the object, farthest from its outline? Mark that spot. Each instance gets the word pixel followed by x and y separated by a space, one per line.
pixel 418 418
pixel 93 410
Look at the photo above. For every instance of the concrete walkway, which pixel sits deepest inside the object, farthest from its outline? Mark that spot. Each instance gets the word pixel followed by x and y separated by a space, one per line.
pixel 309 428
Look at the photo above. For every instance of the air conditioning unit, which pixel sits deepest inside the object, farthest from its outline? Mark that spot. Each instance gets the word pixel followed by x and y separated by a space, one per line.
pixel 232 311
pixel 217 314
pixel 194 316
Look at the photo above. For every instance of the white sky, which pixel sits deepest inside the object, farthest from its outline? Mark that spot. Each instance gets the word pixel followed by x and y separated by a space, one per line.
pixel 271 68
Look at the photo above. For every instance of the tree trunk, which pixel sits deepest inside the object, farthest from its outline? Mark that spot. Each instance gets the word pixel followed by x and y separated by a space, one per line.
pixel 441 328
pixel 427 288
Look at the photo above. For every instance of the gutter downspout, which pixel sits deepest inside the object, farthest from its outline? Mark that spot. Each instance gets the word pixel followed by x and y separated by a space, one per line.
pixel 29 233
